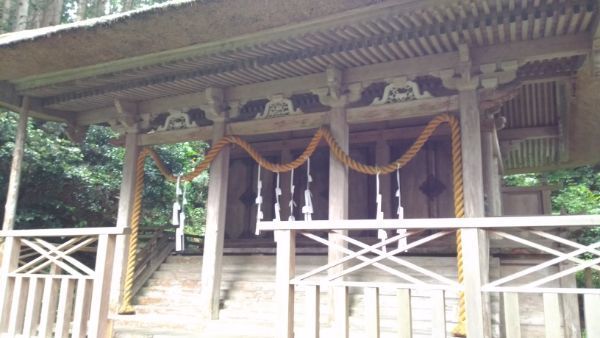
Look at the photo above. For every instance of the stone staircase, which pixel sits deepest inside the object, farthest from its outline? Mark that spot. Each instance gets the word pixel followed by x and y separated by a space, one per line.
pixel 168 305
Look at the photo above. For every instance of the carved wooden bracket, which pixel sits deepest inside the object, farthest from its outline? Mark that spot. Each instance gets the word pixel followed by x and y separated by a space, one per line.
pixel 76 133
pixel 337 93
pixel 128 116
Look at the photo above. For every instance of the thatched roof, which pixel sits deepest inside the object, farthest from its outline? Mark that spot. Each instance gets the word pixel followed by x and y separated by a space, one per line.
pixel 170 53
pixel 169 26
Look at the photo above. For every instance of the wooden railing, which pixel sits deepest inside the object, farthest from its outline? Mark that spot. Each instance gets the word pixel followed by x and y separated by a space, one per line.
pixel 534 232
pixel 48 288
pixel 156 244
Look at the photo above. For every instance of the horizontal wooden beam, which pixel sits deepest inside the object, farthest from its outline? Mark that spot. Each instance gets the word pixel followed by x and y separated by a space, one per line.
pixel 436 223
pixel 515 134
pixel 395 111
pixel 65 232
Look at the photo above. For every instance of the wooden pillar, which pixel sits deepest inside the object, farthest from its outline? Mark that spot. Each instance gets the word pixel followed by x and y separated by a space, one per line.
pixel 475 243
pixel 12 195
pixel 338 209
pixel 570 304
pixel 286 194
pixel 126 197
pixel 491 175
pixel 214 234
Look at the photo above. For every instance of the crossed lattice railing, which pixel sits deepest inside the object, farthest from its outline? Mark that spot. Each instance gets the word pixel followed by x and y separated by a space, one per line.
pixel 56 282
pixel 558 257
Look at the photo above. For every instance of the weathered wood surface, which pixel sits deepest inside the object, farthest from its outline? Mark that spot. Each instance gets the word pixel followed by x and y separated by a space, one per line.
pixel 338 210
pixel 12 195
pixel 126 196
pixel 475 242
pixel 215 227
pixel 512 317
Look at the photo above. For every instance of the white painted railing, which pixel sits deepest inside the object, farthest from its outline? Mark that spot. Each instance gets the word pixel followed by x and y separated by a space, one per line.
pixel 47 290
pixel 535 233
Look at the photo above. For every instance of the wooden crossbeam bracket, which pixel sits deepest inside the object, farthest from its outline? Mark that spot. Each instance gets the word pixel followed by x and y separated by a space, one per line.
pixel 337 92
pixel 76 133
pixel 128 116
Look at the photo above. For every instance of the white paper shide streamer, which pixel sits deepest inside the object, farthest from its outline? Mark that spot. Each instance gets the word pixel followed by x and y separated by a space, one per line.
pixel 402 242
pixel 277 205
pixel 381 233
pixel 178 218
pixel 307 209
pixel 259 201
pixel 292 202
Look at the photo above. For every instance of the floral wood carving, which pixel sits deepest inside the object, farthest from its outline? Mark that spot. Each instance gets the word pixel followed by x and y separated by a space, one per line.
pixel 278 106
pixel 177 120
pixel 401 91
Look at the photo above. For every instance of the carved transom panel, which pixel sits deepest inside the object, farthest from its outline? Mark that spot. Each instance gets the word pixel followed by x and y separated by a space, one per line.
pixel 278 106
pixel 401 91
pixel 177 120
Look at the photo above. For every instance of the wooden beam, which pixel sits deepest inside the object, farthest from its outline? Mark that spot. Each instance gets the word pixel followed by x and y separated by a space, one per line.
pixel 215 228
pixel 531 133
pixel 574 221
pixel 396 111
pixel 12 196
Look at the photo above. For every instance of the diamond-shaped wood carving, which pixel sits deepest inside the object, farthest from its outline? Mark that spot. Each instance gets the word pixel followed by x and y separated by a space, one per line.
pixel 432 187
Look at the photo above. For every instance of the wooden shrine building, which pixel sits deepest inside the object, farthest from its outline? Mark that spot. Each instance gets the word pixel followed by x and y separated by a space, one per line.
pixel 512 85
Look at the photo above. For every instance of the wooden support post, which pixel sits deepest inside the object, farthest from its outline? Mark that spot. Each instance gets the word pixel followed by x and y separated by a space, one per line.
pixel 404 314
pixel 126 196
pixel 12 195
pixel 512 319
pixel 215 228
pixel 9 263
pixel 65 308
pixel 372 329
pixel 552 318
pixel 475 242
pixel 338 209
pixel 591 309
pixel 313 313
pixel 491 176
pixel 98 324
pixel 286 196
pixel 438 314
pixel 286 268
pixel 570 304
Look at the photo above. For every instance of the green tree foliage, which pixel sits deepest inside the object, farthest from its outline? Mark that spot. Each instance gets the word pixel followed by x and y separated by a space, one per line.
pixel 67 185
pixel 577 192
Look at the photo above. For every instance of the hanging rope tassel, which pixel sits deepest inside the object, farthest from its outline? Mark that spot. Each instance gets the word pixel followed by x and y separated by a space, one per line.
pixel 403 242
pixel 292 203
pixel 259 200
pixel 307 209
